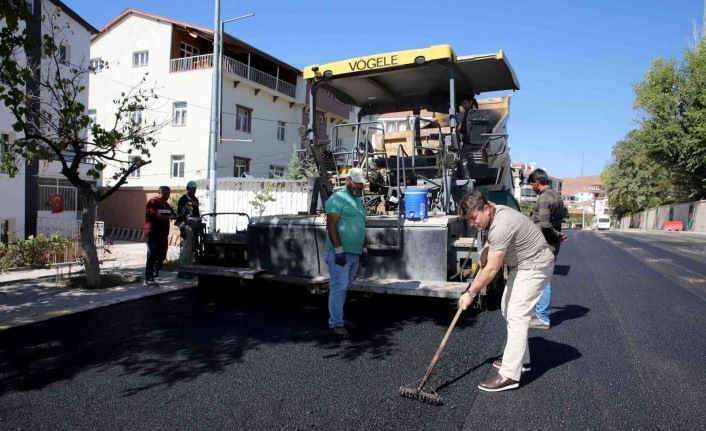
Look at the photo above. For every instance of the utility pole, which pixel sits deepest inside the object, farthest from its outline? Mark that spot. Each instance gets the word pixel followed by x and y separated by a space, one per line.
pixel 213 135
pixel 216 101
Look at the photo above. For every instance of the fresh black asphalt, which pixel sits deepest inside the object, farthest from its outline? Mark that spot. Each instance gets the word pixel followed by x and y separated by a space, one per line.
pixel 627 351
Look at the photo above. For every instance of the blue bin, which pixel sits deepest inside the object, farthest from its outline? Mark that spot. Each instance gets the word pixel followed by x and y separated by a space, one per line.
pixel 415 203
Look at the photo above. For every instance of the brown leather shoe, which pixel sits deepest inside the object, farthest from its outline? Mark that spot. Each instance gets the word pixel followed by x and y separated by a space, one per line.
pixel 499 363
pixel 339 332
pixel 496 384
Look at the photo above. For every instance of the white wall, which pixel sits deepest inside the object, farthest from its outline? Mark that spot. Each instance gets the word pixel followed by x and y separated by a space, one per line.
pixel 116 47
pixel 13 188
pixel 265 149
pixel 136 33
pixel 236 194
pixel 584 196
pixel 78 39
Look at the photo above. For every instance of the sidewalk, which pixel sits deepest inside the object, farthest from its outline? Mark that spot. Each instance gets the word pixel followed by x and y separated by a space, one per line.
pixel 32 296
pixel 665 232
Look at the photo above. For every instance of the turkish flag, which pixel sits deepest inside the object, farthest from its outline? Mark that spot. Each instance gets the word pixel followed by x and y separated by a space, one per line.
pixel 57 203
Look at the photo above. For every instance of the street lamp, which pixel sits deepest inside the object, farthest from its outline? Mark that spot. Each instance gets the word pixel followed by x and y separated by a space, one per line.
pixel 214 135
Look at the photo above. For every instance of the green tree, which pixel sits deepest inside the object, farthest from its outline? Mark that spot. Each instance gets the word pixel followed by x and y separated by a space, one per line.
pixel 296 169
pixel 263 197
pixel 664 160
pixel 672 105
pixel 526 207
pixel 53 125
pixel 633 180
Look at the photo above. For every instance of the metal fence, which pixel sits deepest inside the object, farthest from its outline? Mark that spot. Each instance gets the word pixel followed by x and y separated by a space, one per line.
pixel 191 63
pixel 237 194
pixel 70 229
pixel 236 68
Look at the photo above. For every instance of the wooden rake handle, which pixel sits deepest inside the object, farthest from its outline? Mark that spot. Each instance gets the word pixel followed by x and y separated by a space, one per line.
pixel 440 349
pixel 446 337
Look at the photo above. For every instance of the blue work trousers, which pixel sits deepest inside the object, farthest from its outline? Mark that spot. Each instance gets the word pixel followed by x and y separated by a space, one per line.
pixel 340 279
pixel 542 308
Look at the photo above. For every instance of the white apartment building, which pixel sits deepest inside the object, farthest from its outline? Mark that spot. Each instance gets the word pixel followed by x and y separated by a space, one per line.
pixel 601 206
pixel 584 196
pixel 29 192
pixel 524 192
pixel 263 100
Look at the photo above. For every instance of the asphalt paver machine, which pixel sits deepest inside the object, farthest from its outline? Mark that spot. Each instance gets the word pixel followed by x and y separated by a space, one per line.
pixel 427 253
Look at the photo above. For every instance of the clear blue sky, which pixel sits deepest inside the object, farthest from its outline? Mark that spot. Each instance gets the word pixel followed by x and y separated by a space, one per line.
pixel 576 60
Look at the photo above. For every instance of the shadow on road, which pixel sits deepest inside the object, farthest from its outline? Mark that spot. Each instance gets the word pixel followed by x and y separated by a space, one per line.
pixel 562 270
pixel 178 337
pixel 546 355
pixel 567 312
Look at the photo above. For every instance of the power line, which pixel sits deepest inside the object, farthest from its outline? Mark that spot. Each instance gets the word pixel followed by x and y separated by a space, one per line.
pixel 199 106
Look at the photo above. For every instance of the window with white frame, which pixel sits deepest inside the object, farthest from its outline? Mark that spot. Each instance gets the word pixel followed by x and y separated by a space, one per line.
pixel 186 50
pixel 92 117
pixel 527 191
pixel 136 115
pixel 140 58
pixel 280 130
pixel 96 64
pixel 63 53
pixel 179 114
pixel 276 171
pixel 391 127
pixel 135 173
pixel 178 165
pixel 321 119
pixel 241 166
pixel 243 119
pixel 30 6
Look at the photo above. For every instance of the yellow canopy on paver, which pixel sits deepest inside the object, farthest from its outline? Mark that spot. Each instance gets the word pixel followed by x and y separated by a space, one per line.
pixel 412 79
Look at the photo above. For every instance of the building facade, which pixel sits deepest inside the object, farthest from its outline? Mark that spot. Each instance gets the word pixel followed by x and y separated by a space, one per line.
pixel 36 181
pixel 263 100
pixel 524 192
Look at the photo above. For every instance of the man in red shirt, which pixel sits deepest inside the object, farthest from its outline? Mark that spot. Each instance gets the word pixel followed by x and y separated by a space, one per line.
pixel 157 216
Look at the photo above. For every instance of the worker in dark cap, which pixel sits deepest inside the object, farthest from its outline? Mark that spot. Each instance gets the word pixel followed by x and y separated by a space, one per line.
pixel 189 222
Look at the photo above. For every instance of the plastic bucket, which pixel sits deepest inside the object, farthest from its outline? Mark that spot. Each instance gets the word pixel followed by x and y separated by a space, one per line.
pixel 415 203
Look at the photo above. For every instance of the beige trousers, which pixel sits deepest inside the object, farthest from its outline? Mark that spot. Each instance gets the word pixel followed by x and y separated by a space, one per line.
pixel 525 285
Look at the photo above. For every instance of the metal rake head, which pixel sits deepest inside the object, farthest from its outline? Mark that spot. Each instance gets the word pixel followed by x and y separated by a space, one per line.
pixel 428 396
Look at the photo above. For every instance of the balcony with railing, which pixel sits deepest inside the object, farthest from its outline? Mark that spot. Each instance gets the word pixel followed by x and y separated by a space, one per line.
pixel 235 68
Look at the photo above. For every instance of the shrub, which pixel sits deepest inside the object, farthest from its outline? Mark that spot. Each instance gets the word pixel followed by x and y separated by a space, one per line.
pixel 5 257
pixel 34 252
pixel 262 197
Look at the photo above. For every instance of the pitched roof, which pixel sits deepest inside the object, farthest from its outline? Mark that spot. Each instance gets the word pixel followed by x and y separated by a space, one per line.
pixel 573 185
pixel 207 33
pixel 76 17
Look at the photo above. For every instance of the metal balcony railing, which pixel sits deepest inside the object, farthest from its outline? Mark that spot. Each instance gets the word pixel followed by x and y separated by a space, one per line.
pixel 233 67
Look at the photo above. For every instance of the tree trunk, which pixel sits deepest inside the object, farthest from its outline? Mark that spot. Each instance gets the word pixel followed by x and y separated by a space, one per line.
pixel 88 241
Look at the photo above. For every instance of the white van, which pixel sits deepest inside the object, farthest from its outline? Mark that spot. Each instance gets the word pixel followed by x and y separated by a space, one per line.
pixel 600 223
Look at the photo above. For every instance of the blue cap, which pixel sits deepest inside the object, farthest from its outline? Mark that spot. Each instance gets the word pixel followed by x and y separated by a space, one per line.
pixel 191 185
